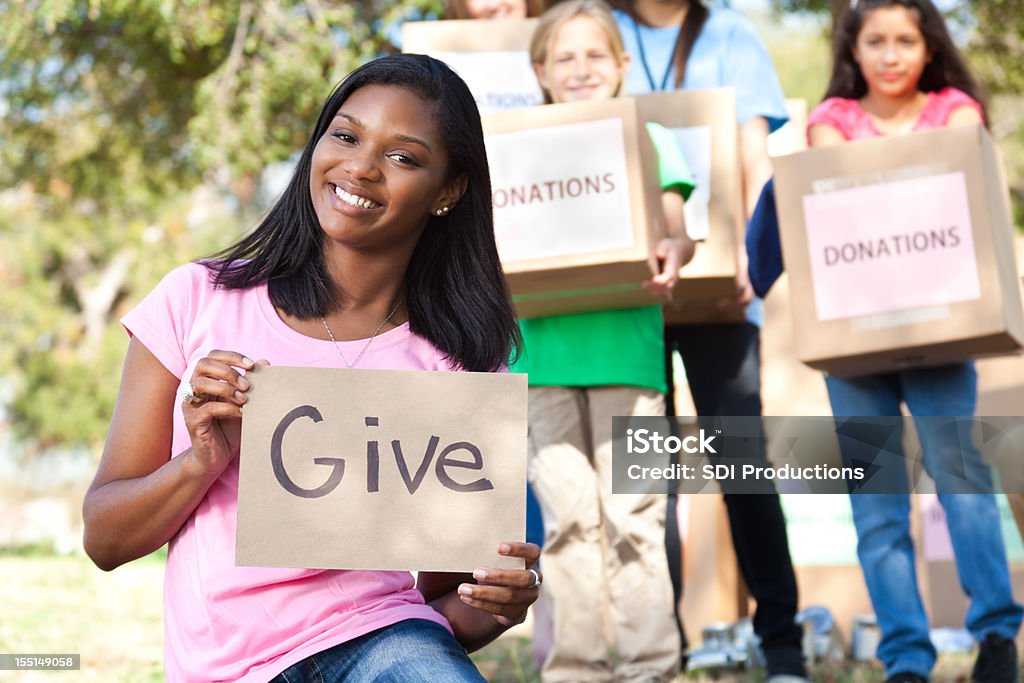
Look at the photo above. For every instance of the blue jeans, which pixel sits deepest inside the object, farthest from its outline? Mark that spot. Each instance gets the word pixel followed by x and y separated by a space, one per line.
pixel 884 546
pixel 411 651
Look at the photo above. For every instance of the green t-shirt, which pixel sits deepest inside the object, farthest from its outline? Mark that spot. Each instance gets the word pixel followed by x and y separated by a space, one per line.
pixel 623 347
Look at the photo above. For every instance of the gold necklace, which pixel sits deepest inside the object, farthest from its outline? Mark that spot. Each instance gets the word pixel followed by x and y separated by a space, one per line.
pixel 368 341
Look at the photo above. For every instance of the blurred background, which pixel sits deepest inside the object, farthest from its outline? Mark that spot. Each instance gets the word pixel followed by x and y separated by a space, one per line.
pixel 136 135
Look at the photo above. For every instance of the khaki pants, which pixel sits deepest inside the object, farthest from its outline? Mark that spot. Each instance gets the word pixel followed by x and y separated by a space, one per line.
pixel 604 564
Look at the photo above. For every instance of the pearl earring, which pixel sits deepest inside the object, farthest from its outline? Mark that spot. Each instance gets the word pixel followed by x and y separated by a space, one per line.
pixel 442 211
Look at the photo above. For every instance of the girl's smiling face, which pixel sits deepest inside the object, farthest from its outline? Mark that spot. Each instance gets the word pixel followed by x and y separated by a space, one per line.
pixel 581 63
pixel 380 170
pixel 891 51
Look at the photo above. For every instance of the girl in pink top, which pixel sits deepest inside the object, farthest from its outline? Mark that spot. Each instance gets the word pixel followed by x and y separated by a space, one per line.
pixel 896 71
pixel 380 254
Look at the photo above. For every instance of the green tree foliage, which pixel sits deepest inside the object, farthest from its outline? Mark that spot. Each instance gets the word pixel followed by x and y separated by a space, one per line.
pixel 996 47
pixel 117 116
pixel 996 51
pixel 833 7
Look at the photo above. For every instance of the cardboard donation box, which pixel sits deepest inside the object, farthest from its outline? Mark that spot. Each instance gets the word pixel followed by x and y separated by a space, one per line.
pixel 380 469
pixel 704 123
pixel 899 251
pixel 491 56
pixel 577 207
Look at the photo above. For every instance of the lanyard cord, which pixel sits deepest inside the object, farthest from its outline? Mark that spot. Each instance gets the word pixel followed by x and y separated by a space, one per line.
pixel 643 60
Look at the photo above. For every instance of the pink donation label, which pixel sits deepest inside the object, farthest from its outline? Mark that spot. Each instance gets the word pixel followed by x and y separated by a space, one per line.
pixel 891 246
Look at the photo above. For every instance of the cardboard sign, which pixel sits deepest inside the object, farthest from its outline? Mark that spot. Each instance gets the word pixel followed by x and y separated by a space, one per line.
pixel 704 122
pixel 899 252
pixel 381 469
pixel 577 207
pixel 491 56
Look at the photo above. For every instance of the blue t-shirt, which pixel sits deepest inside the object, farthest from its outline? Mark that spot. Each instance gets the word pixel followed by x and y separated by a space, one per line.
pixel 728 52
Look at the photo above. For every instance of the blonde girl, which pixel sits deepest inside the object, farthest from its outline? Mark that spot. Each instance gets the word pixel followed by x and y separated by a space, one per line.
pixel 604 559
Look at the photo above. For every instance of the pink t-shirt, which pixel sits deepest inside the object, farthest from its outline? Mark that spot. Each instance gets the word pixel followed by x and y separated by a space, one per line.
pixel 850 119
pixel 223 622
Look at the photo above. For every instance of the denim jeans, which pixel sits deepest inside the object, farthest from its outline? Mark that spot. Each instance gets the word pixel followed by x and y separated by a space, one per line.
pixel 884 546
pixel 411 651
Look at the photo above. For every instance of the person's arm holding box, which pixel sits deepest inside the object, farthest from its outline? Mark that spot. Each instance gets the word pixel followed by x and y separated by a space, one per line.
pixel 676 249
pixel 760 110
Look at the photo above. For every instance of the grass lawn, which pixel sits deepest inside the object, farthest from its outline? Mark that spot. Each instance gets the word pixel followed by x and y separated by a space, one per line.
pixel 64 605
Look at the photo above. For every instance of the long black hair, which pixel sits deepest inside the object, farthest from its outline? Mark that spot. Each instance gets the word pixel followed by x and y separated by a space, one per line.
pixel 455 291
pixel 946 68
pixel 689 31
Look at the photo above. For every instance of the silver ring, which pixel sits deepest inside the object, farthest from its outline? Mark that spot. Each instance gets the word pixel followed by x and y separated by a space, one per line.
pixel 191 397
pixel 537 581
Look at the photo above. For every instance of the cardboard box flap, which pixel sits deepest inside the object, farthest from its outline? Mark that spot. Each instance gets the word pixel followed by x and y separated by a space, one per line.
pixel 491 56
pixel 468 35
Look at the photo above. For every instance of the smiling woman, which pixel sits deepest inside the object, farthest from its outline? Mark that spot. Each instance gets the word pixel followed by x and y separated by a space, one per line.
pixel 381 171
pixel 377 167
pixel 383 246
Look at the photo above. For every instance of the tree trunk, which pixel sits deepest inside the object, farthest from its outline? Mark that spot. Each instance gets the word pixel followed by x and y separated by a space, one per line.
pixel 839 8
pixel 97 301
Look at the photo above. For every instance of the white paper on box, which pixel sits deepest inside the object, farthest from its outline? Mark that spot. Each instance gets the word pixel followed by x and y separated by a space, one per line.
pixel 695 144
pixel 560 190
pixel 891 246
pixel 498 80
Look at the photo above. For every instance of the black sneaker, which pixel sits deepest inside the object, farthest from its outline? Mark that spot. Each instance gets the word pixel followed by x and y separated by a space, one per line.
pixel 997 661
pixel 785 662
pixel 906 677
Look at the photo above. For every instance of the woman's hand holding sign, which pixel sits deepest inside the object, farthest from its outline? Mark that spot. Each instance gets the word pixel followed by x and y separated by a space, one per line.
pixel 506 593
pixel 481 606
pixel 212 407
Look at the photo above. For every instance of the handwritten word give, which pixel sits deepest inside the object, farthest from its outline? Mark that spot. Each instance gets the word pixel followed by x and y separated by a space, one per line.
pixel 444 461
